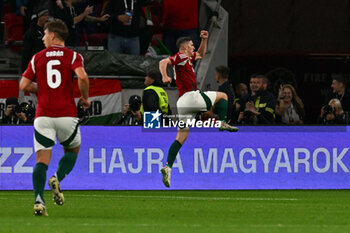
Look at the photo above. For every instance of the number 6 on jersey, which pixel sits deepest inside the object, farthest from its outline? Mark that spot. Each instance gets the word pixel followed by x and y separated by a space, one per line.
pixel 53 72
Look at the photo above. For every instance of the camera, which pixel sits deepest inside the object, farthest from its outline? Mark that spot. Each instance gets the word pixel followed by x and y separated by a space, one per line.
pixel 135 103
pixel 328 109
pixel 23 107
pixel 16 109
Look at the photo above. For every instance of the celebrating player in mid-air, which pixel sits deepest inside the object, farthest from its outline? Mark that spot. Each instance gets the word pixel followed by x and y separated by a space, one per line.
pixel 191 100
pixel 56 113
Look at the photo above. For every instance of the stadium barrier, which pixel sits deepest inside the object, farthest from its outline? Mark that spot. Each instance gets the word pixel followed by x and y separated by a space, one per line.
pixel 129 158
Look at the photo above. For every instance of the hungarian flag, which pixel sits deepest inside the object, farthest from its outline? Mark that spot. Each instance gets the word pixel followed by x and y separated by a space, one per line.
pixel 106 100
pixel 105 96
pixel 8 88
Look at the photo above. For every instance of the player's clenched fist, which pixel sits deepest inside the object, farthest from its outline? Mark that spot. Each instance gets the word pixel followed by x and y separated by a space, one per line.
pixel 166 79
pixel 204 34
pixel 85 102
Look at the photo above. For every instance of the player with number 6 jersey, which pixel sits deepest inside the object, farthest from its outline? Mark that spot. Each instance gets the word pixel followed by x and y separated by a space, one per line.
pixel 53 69
pixel 50 75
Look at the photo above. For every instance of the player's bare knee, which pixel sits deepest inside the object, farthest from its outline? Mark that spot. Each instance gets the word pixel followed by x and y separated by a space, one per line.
pixel 182 135
pixel 74 150
pixel 220 96
pixel 43 156
pixel 181 140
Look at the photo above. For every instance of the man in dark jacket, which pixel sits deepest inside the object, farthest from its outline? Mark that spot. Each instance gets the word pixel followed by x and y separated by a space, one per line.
pixel 258 107
pixel 340 92
pixel 32 42
pixel 154 96
pixel 222 75
pixel 124 23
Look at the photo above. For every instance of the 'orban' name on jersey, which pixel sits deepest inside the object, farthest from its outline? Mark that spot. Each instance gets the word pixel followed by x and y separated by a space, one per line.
pixel 54 54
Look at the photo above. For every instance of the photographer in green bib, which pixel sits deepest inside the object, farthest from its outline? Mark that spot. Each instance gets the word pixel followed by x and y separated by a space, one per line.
pixel 154 96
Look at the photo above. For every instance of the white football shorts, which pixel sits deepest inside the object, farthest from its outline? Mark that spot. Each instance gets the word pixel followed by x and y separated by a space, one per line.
pixel 192 102
pixel 47 129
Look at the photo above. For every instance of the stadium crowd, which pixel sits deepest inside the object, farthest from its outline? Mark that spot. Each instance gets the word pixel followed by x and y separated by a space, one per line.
pixel 122 26
pixel 256 105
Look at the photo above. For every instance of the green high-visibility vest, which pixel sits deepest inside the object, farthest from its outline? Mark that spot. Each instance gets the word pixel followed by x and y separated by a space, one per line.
pixel 162 96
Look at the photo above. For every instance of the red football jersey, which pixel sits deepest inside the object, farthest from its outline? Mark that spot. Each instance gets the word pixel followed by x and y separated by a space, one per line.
pixel 184 73
pixel 53 70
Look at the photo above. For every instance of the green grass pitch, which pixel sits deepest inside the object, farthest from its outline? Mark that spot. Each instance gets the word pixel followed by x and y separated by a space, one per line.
pixel 270 211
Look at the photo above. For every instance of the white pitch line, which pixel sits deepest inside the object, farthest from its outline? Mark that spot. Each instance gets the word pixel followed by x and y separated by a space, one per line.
pixel 225 226
pixel 171 197
pixel 186 198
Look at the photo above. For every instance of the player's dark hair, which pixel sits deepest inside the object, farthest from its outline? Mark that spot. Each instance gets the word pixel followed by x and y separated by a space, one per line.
pixel 223 71
pixel 339 78
pixel 156 76
pixel 58 27
pixel 258 76
pixel 182 40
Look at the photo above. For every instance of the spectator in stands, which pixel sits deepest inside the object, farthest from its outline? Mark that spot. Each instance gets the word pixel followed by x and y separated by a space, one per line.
pixel 27 9
pixel 258 107
pixel 65 11
pixel 333 113
pixel 146 30
pixel 154 96
pixel 180 19
pixel 241 90
pixel 221 76
pixel 266 83
pixel 32 42
pixel 339 92
pixel 124 25
pixel 90 30
pixel 289 108
pixel 16 114
pixel 131 112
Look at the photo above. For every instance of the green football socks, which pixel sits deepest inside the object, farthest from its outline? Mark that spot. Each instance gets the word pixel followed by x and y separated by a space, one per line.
pixel 66 165
pixel 39 179
pixel 173 150
pixel 221 109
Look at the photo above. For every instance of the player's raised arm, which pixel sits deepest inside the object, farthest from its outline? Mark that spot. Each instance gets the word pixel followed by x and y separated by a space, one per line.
pixel 83 83
pixel 162 68
pixel 27 85
pixel 203 46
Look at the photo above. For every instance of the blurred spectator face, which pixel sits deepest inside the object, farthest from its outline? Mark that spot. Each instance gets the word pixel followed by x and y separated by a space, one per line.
pixel 43 19
pixel 256 84
pixel 337 86
pixel 336 104
pixel 126 109
pixel 242 89
pixel 288 95
pixel 265 83
pixel 148 81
